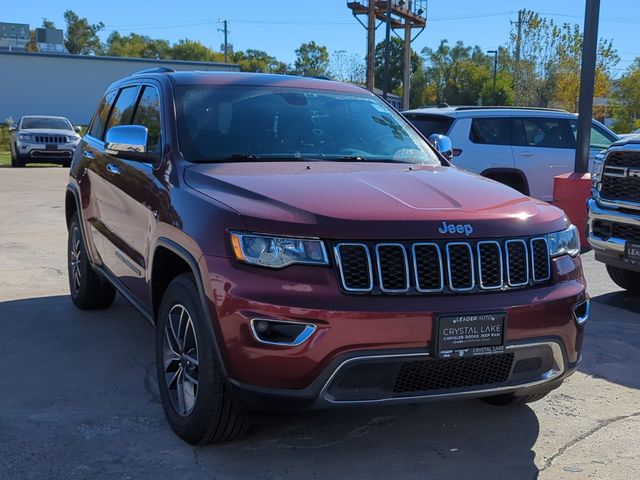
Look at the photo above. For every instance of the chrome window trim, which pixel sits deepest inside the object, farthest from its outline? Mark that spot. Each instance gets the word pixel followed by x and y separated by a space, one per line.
pixel 415 267
pixel 309 329
pixel 336 252
pixel 473 273
pixel 526 260
pixel 533 263
pixel 490 242
pixel 406 268
pixel 557 370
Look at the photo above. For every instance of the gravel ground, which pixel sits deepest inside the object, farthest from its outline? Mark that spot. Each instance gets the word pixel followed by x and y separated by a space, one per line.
pixel 79 395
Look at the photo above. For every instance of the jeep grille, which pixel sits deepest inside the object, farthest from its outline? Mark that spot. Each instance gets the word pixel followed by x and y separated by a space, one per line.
pixel 442 267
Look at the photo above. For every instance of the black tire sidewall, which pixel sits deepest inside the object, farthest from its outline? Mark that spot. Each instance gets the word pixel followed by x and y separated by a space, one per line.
pixel 193 427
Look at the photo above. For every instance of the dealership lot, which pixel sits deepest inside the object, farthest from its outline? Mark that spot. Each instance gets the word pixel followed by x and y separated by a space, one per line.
pixel 80 397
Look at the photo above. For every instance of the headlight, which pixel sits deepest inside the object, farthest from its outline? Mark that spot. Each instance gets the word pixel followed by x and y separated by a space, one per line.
pixel 277 252
pixel 598 166
pixel 566 242
pixel 25 137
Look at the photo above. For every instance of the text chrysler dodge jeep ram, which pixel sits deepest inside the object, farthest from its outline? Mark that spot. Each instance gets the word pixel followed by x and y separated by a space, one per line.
pixel 297 243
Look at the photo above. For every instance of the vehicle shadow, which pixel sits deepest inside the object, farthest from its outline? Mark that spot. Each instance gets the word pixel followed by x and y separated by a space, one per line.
pixel 612 339
pixel 87 403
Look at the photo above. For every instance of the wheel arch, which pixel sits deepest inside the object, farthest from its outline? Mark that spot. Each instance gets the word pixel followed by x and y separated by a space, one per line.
pixel 495 173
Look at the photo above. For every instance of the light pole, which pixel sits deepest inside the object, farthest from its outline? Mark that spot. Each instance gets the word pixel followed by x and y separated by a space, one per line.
pixel 495 72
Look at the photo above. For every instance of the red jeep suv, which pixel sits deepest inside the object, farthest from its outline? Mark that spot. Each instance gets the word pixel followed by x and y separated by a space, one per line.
pixel 298 244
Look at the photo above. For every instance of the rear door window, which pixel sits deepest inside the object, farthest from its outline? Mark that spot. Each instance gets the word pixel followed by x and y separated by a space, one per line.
pixel 101 116
pixel 491 131
pixel 547 133
pixel 430 124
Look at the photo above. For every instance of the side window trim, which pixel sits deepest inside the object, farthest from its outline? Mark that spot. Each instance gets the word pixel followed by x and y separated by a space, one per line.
pixel 158 90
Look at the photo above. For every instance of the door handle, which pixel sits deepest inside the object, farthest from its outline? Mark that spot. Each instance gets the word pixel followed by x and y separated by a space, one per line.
pixel 87 154
pixel 113 169
pixel 526 154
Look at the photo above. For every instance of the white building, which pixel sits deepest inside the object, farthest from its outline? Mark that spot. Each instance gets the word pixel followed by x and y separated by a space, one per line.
pixel 69 85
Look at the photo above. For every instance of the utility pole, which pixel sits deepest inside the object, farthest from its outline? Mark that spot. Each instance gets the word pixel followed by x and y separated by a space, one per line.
pixel 371 45
pixel 387 52
pixel 587 83
pixel 516 73
pixel 495 73
pixel 225 30
pixel 406 74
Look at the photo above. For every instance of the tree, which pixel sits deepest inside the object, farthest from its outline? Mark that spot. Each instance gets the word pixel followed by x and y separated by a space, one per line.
pixel 253 60
pixel 347 67
pixel 312 60
pixel 46 23
pixel 81 37
pixel 626 99
pixel 194 51
pixel 396 64
pixel 137 46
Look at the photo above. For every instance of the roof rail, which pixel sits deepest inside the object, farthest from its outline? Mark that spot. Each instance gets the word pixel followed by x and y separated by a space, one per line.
pixel 154 70
pixel 506 107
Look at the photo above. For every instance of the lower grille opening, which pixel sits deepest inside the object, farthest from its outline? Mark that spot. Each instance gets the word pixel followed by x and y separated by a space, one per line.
pixel 528 365
pixel 449 373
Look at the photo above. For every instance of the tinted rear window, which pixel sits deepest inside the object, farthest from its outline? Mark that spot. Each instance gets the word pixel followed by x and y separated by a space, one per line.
pixel 430 124
pixel 491 131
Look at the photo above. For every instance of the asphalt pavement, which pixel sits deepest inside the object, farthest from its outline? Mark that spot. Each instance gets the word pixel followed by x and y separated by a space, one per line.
pixel 80 400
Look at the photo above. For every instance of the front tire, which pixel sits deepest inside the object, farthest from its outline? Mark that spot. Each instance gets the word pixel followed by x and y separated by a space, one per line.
pixel 16 161
pixel 88 290
pixel 625 279
pixel 195 396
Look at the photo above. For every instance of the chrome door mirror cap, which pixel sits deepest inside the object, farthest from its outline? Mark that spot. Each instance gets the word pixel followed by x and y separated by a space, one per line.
pixel 442 144
pixel 125 139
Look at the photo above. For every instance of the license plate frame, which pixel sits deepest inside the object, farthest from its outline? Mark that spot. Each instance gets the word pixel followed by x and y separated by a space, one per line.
pixel 51 146
pixel 632 252
pixel 470 334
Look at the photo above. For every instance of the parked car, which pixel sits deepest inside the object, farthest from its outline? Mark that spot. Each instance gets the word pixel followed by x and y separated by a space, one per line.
pixel 297 244
pixel 635 133
pixel 614 213
pixel 520 147
pixel 43 139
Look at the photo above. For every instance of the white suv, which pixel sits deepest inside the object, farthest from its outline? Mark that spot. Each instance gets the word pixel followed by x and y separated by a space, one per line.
pixel 521 147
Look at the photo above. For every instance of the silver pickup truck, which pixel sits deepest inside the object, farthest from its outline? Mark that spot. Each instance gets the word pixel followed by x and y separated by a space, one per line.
pixel 614 212
pixel 43 139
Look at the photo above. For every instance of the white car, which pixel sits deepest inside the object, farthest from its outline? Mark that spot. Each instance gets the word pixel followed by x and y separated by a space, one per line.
pixel 521 147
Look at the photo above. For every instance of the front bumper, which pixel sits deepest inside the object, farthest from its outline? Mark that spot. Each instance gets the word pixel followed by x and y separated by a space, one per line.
pixel 359 337
pixel 40 152
pixel 609 249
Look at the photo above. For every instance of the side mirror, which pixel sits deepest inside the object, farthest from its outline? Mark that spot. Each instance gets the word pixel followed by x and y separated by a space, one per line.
pixel 13 127
pixel 442 144
pixel 77 129
pixel 127 141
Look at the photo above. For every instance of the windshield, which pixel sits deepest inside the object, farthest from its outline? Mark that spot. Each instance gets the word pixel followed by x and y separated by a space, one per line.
pixel 48 123
pixel 250 123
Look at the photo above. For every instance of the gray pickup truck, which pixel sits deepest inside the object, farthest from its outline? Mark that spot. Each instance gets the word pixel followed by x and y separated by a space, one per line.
pixel 43 139
pixel 614 212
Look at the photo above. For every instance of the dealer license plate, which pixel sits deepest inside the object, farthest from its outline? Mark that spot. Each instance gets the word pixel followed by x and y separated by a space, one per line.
pixel 470 335
pixel 632 252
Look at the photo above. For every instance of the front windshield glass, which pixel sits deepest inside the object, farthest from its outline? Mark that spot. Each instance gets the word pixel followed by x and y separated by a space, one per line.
pixel 230 123
pixel 47 123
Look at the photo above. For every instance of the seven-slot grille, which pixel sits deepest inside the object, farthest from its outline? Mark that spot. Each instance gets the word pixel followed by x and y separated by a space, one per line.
pixel 443 267
pixel 618 183
pixel 51 139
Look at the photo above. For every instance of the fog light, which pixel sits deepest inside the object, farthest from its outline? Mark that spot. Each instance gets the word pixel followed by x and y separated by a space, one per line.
pixel 581 312
pixel 278 332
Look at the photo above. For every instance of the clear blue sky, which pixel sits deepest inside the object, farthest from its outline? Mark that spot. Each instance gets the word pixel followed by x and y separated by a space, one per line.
pixel 279 26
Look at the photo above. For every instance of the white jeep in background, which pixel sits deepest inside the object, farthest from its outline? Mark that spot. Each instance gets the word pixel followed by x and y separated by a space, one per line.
pixel 521 147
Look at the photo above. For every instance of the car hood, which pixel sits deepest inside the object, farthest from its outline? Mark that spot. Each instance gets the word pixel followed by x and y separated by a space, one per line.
pixel 371 200
pixel 48 131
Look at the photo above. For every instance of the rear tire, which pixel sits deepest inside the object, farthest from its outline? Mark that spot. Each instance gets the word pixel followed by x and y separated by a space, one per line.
pixel 16 161
pixel 195 397
pixel 625 279
pixel 89 291
pixel 513 399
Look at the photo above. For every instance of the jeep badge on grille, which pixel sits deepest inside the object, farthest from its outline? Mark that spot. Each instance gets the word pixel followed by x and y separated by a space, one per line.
pixel 466 228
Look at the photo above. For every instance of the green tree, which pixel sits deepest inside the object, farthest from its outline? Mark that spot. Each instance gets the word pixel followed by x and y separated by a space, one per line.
pixel 626 100
pixel 194 51
pixel 396 64
pixel 81 37
pixel 137 46
pixel 312 60
pixel 46 23
pixel 252 60
pixel 347 67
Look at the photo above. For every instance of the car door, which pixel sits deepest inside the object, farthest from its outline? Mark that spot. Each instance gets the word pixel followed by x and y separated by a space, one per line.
pixel 482 144
pixel 543 147
pixel 601 139
pixel 136 196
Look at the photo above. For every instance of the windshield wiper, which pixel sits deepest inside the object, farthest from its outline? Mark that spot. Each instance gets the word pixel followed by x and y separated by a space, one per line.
pixel 236 157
